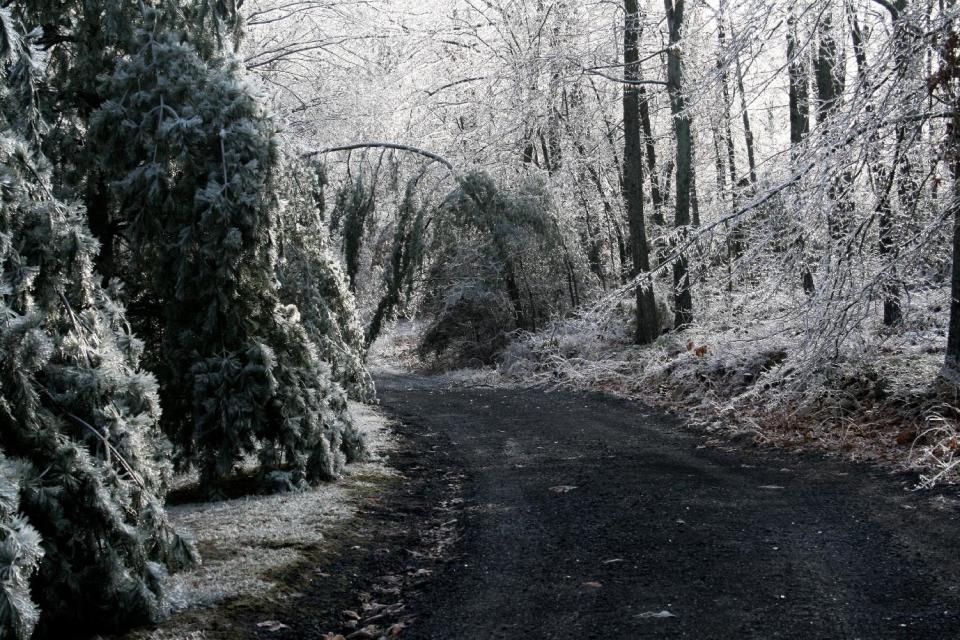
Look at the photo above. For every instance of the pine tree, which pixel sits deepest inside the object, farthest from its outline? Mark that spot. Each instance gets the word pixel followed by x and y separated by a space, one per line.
pixel 194 165
pixel 20 554
pixel 311 279
pixel 83 469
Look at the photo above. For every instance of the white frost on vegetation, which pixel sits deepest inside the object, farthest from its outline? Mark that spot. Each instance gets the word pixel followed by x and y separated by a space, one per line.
pixel 876 400
pixel 246 538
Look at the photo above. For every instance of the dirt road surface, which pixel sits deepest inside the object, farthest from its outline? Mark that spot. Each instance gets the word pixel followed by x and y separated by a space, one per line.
pixel 585 516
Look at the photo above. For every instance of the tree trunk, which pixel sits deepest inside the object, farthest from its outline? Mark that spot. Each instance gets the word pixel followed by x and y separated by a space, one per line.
pixel 101 226
pixel 647 321
pixel 828 72
pixel 799 85
pixel 830 81
pixel 948 78
pixel 953 335
pixel 652 169
pixel 798 70
pixel 683 300
pixel 747 131
pixel 727 106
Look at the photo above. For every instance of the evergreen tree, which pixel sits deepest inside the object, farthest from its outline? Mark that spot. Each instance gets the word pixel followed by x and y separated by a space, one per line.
pixel 311 278
pixel 355 206
pixel 496 256
pixel 20 555
pixel 405 257
pixel 83 469
pixel 194 167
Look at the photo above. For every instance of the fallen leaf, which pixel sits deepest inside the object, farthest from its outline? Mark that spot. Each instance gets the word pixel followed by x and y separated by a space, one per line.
pixel 272 625
pixel 563 488
pixel 656 614
pixel 906 436
pixel 333 636
pixel 396 629
pixel 352 615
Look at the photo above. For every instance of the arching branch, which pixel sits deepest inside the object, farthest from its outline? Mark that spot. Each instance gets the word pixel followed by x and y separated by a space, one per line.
pixel 894 11
pixel 385 145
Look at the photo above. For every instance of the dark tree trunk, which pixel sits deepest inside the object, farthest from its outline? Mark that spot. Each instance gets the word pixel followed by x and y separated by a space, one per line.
pixel 647 321
pixel 694 201
pixel 830 81
pixel 513 292
pixel 721 169
pixel 882 178
pixel 948 78
pixel 592 240
pixel 727 104
pixel 652 169
pixel 683 300
pixel 798 70
pixel 609 131
pixel 953 335
pixel 747 131
pixel 829 74
pixel 799 85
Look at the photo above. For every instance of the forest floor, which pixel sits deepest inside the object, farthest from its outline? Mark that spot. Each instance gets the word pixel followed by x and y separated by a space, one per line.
pixel 496 511
pixel 286 565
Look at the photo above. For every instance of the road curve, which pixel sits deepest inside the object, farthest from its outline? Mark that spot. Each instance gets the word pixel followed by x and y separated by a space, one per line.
pixel 587 516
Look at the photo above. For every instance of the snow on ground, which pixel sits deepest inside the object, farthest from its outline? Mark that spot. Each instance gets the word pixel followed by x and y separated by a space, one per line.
pixel 244 540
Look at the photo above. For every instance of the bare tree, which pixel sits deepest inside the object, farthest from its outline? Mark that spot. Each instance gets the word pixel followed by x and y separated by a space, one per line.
pixel 646 317
pixel 683 300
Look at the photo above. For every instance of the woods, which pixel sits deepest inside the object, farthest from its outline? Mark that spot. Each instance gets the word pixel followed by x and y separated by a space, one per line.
pixel 211 211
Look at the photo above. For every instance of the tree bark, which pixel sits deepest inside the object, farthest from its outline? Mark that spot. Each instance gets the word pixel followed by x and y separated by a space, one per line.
pixel 727 104
pixel 953 335
pixel 882 176
pixel 798 70
pixel 652 169
pixel 747 131
pixel 799 85
pixel 947 78
pixel 830 82
pixel 97 201
pixel 828 72
pixel 647 322
pixel 683 300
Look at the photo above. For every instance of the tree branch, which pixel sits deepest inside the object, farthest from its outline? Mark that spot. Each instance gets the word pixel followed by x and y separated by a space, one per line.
pixel 385 145
pixel 894 12
pixel 453 84
pixel 594 72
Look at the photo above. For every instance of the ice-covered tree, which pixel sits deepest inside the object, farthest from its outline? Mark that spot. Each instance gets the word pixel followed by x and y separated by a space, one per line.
pixel 194 165
pixel 84 541
pixel 311 278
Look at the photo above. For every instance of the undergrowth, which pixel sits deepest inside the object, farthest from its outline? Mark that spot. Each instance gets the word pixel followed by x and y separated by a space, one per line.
pixel 883 401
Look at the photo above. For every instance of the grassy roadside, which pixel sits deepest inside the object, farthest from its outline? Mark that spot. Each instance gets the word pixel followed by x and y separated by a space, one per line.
pixel 262 552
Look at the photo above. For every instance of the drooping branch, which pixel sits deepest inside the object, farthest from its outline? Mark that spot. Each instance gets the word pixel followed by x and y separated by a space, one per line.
pixel 626 81
pixel 385 145
pixel 453 84
pixel 894 11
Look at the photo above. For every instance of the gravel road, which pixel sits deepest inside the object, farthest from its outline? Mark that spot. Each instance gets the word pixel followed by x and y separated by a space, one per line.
pixel 587 516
